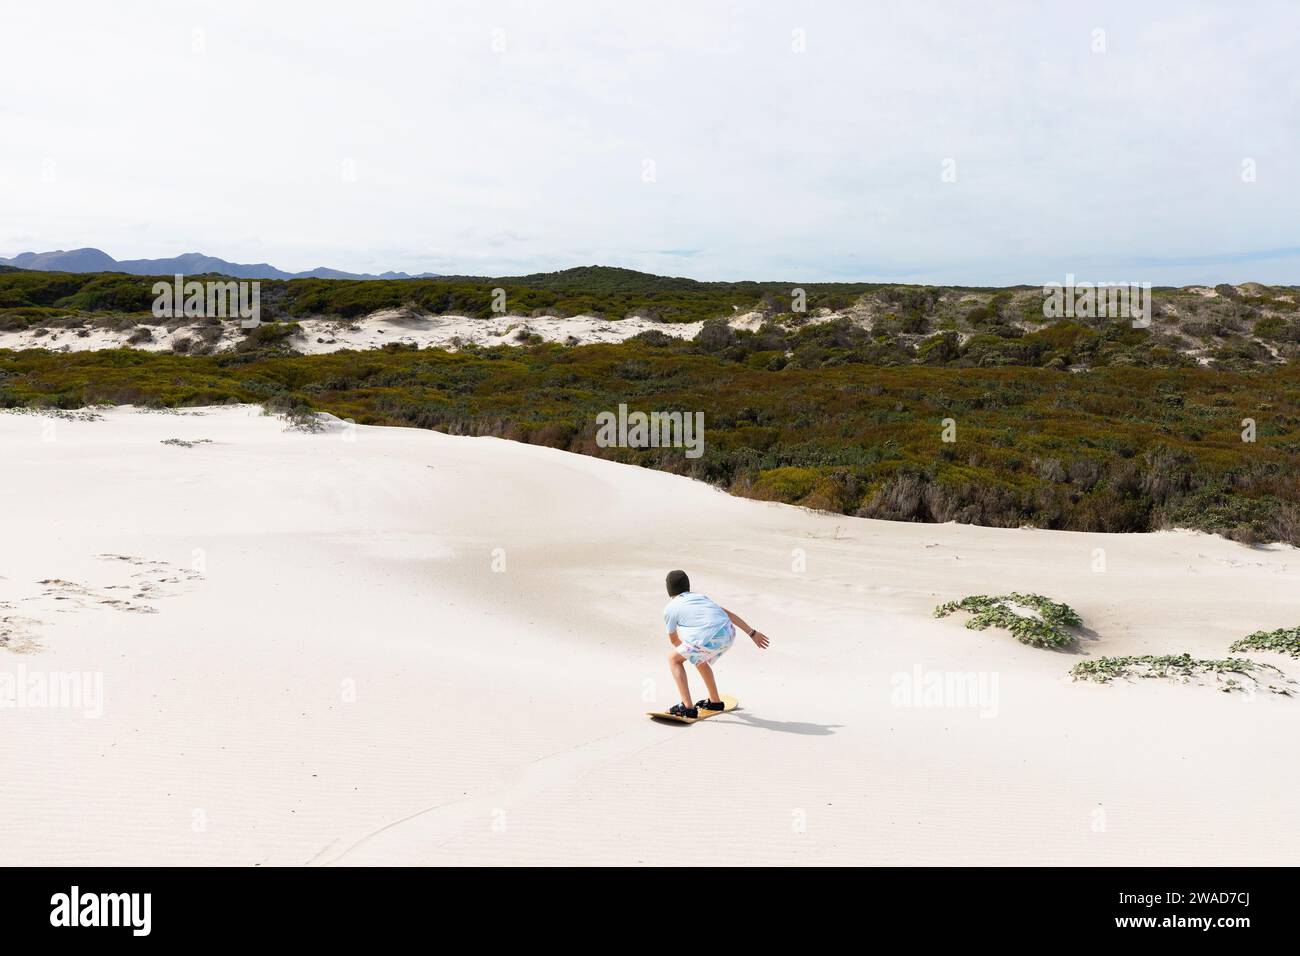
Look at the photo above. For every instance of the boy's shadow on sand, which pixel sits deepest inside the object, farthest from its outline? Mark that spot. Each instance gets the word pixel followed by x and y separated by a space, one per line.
pixel 779 726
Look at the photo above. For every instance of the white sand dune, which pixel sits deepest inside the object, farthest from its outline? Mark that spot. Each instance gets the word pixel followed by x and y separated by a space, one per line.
pixel 392 326
pixel 389 326
pixel 325 668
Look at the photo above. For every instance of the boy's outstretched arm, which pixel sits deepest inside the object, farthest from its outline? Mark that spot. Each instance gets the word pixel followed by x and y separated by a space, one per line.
pixel 757 636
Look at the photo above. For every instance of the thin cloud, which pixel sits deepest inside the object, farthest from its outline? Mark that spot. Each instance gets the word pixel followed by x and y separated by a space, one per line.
pixel 784 140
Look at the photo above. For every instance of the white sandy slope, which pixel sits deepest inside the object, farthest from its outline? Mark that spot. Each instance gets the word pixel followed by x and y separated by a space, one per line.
pixel 324 668
pixel 390 326
pixel 374 331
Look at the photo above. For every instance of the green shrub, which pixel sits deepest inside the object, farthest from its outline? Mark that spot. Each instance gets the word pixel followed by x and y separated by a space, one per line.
pixel 1283 641
pixel 274 336
pixel 786 484
pixel 1046 629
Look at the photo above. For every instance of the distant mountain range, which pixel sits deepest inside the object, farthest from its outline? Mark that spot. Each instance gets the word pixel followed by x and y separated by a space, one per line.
pixel 192 263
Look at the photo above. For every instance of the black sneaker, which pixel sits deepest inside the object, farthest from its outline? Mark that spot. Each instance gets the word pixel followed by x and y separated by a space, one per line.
pixel 681 710
pixel 707 704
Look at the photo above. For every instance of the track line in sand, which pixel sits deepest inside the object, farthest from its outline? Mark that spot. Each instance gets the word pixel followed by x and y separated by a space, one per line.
pixel 414 837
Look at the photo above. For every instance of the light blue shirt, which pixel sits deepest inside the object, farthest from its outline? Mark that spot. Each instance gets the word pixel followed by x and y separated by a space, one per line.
pixel 694 617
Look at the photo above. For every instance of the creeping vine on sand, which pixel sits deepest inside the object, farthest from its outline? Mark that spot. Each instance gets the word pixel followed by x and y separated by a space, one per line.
pixel 1285 640
pixel 1044 630
pixel 1180 667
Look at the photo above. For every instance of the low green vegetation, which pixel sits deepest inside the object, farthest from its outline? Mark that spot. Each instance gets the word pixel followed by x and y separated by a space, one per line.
pixel 1181 667
pixel 592 290
pixel 823 325
pixel 1283 641
pixel 1031 618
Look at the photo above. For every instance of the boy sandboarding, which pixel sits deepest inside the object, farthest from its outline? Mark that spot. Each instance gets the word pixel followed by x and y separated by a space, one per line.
pixel 700 632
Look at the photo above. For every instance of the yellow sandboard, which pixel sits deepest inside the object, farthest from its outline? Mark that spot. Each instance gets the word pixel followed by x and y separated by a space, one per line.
pixel 730 704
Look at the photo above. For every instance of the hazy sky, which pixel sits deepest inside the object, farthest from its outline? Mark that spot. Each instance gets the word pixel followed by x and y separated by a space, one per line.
pixel 501 138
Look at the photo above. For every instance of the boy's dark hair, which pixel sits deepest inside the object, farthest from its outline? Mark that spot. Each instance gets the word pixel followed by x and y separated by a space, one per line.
pixel 678 583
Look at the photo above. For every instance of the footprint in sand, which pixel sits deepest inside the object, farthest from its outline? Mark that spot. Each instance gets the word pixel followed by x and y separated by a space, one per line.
pixel 72 596
pixel 154 579
pixel 17 634
pixel 136 583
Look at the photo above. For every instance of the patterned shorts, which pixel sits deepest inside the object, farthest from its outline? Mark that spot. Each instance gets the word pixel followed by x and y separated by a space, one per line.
pixel 708 649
